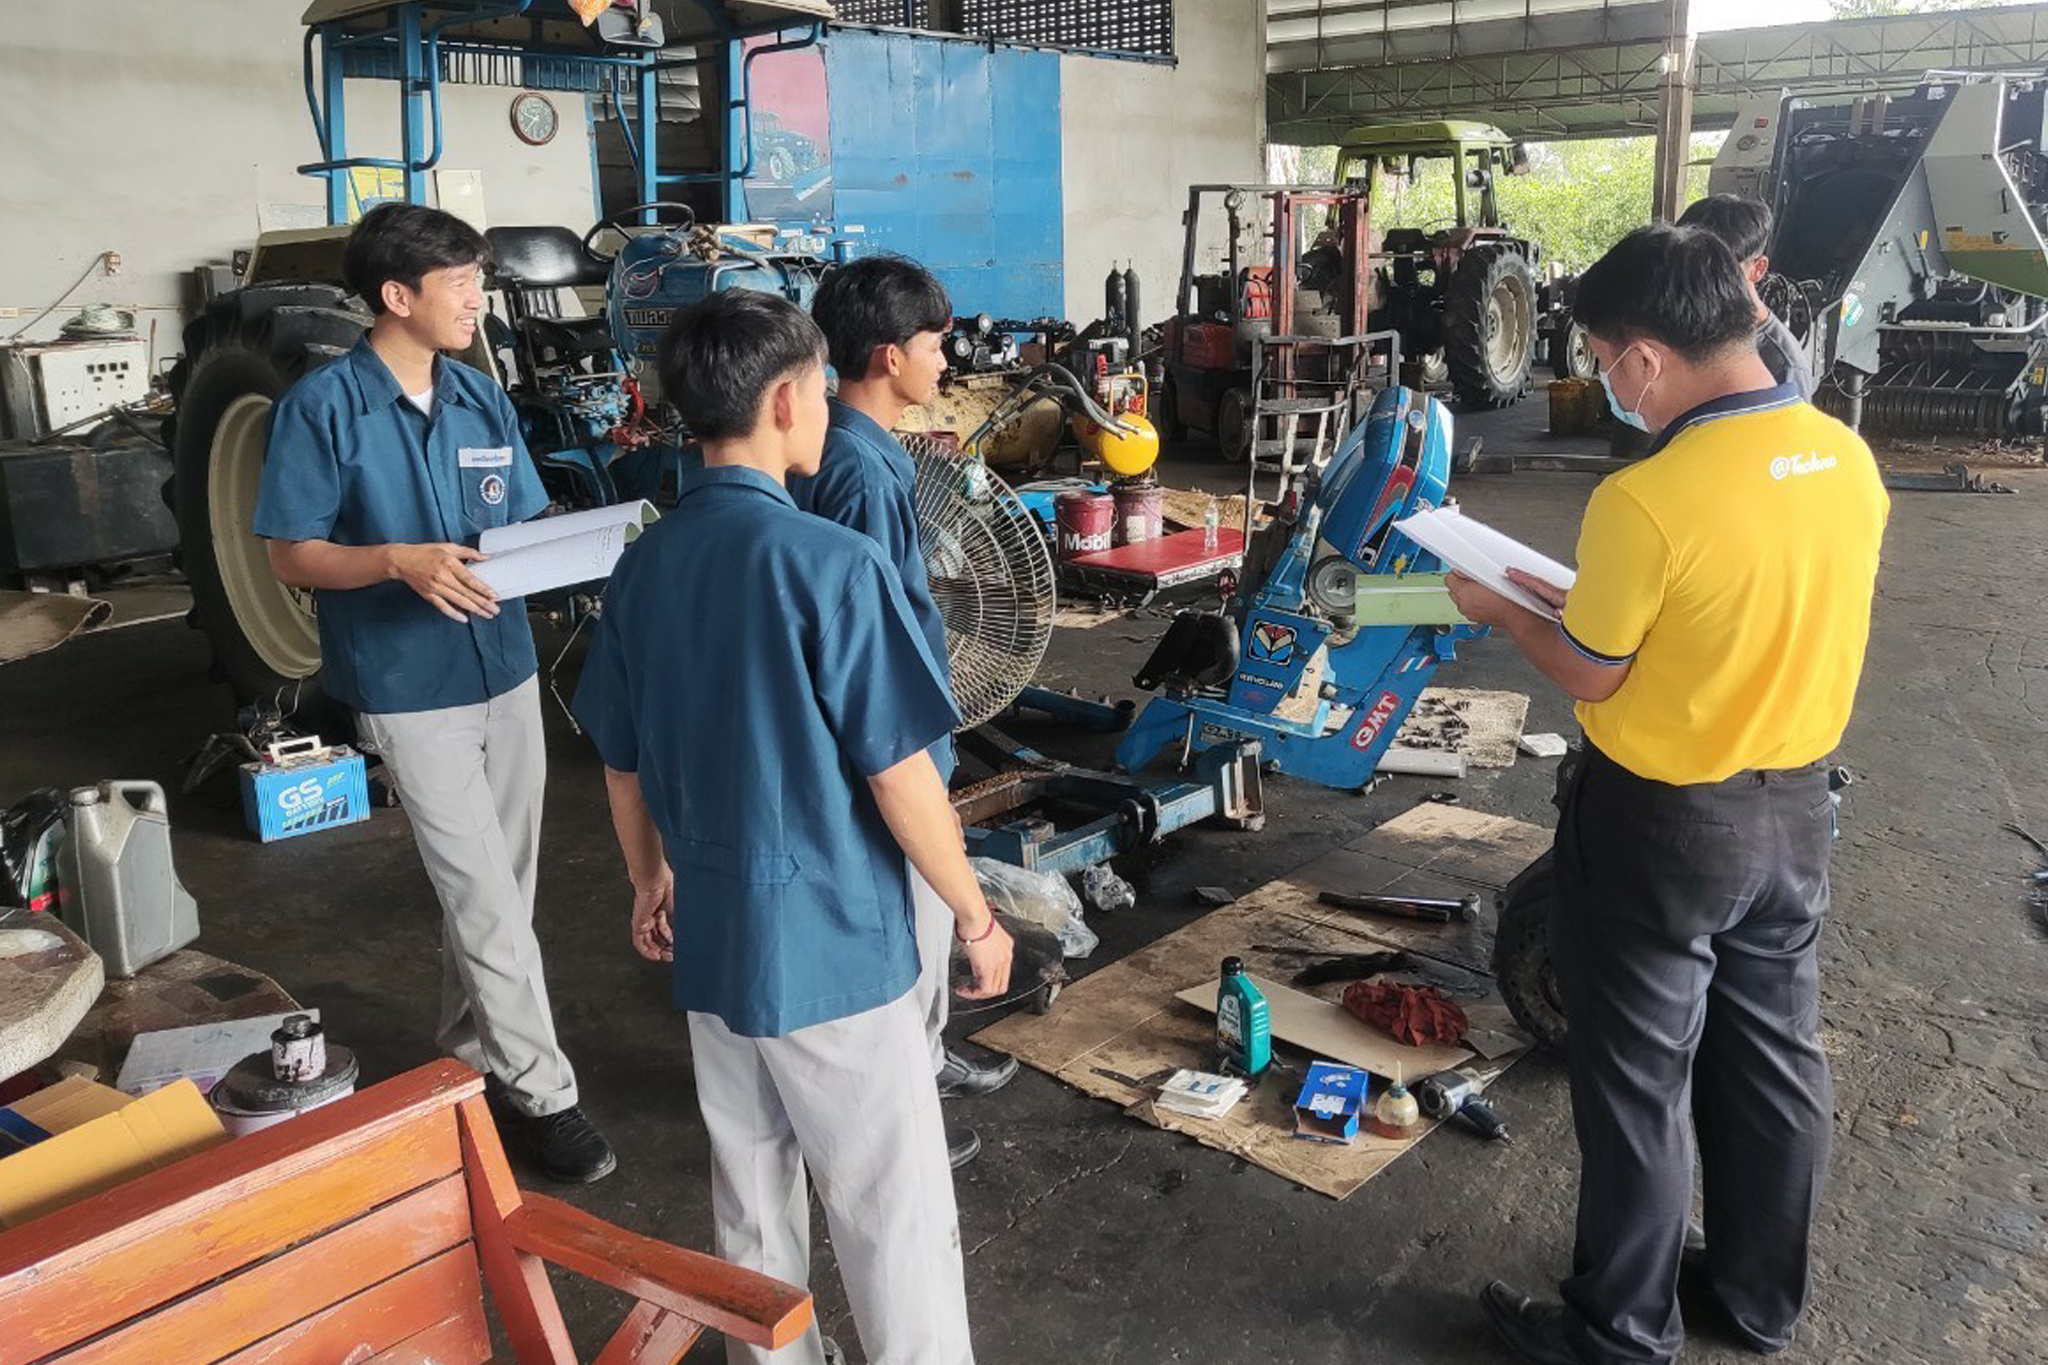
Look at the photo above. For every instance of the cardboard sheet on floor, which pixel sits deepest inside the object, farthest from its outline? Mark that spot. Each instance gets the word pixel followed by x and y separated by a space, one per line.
pixel 1327 1031
pixel 1481 725
pixel 1123 1024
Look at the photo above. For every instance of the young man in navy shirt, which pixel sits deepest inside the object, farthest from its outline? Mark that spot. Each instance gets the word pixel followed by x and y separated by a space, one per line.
pixel 885 320
pixel 764 703
pixel 383 468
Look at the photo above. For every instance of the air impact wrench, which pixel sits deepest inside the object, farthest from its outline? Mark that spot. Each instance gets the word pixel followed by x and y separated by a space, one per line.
pixel 1452 1094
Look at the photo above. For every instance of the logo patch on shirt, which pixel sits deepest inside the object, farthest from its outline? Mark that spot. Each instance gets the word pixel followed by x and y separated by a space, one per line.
pixel 485 457
pixel 492 489
pixel 1789 466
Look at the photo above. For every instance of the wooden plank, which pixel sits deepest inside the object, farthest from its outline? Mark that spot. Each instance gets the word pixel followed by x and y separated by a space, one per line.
pixel 418 1304
pixel 270 1296
pixel 650 1335
pixel 461 1340
pixel 518 1282
pixel 743 1304
pixel 56 1292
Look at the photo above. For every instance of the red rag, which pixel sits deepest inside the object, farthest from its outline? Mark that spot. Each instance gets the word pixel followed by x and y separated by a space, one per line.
pixel 1412 1014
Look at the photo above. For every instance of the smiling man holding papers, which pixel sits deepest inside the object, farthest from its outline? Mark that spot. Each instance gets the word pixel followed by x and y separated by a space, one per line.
pixel 384 468
pixel 1713 638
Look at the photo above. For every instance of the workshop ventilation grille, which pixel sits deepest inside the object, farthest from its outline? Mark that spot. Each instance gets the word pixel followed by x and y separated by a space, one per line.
pixel 1140 27
pixel 991 576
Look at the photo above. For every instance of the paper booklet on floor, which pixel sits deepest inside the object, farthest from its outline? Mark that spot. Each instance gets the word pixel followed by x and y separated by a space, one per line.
pixel 555 552
pixel 1484 555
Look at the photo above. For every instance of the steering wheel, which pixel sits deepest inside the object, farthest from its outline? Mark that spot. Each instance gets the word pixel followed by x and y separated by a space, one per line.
pixel 613 222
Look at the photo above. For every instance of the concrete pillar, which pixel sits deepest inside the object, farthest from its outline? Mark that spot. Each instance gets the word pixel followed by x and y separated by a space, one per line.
pixel 1674 115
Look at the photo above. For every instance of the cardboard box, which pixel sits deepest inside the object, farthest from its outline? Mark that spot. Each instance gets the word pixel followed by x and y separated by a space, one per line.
pixel 303 787
pixel 103 1139
pixel 1330 1102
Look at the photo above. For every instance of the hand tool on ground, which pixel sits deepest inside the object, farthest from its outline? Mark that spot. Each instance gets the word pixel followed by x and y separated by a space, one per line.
pixel 1430 910
pixel 1453 1094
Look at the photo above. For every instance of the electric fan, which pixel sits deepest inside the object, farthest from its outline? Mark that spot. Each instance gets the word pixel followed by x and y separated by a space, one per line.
pixel 991 575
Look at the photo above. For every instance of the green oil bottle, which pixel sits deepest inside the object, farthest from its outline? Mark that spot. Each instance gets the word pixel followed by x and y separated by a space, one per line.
pixel 1244 1034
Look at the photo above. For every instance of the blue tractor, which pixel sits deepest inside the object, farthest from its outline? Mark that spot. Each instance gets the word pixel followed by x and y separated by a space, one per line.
pixel 580 383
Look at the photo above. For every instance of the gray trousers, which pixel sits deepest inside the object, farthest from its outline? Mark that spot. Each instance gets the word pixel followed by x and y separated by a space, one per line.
pixel 472 779
pixel 850 1101
pixel 1684 931
pixel 934 990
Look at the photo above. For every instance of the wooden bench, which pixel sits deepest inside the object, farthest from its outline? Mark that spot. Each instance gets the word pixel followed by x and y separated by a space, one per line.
pixel 367 1231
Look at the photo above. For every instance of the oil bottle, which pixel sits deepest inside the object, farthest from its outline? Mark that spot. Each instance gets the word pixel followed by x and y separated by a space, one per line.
pixel 1244 1034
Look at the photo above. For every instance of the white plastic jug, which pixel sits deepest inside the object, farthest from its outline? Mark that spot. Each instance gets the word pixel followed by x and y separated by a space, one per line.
pixel 116 887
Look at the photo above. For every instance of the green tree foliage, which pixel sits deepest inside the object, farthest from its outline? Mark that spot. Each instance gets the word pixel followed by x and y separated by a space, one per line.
pixel 1578 199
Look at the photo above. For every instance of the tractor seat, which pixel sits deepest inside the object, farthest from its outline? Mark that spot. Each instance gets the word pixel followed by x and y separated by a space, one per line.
pixel 550 257
pixel 1199 650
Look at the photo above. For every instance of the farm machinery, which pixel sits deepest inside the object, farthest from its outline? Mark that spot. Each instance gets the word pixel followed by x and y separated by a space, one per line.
pixel 1908 249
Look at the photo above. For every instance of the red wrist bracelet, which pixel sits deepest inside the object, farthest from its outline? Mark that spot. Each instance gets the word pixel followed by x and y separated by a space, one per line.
pixel 981 937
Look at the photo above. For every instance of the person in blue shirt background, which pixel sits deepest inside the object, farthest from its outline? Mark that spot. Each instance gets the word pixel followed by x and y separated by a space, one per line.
pixel 383 468
pixel 1744 227
pixel 885 321
pixel 764 704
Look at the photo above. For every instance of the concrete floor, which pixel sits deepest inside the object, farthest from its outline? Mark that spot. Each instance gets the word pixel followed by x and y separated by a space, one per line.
pixel 1092 1238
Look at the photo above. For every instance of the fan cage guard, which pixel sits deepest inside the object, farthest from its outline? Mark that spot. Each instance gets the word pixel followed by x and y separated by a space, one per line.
pixel 991 575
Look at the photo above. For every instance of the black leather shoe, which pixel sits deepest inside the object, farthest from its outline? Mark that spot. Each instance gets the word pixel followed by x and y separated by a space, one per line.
pixel 1533 1331
pixel 961 1077
pixel 568 1147
pixel 963 1144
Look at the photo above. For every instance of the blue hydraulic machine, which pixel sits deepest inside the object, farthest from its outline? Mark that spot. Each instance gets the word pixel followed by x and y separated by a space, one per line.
pixel 1339 624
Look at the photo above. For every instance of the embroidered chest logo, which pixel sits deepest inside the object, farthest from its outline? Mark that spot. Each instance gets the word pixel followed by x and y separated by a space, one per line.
pixel 1787 466
pixel 492 489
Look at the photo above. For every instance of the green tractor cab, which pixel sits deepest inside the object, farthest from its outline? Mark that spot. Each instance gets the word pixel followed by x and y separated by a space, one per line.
pixel 1465 294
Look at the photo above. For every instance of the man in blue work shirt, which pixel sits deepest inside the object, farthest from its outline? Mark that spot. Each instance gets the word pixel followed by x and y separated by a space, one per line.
pixel 383 468
pixel 764 704
pixel 885 320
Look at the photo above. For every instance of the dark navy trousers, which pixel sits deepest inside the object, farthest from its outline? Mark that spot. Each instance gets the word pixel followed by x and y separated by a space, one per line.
pixel 1684 932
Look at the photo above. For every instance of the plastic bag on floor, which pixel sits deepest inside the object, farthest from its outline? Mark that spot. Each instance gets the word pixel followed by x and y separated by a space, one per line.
pixel 1106 891
pixel 1039 897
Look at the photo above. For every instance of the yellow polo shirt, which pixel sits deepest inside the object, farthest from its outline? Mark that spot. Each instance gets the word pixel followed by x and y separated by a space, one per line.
pixel 1734 567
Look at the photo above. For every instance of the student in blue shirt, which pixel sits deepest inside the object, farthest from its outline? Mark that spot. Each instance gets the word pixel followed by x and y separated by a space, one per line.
pixel 885 320
pixel 764 704
pixel 383 468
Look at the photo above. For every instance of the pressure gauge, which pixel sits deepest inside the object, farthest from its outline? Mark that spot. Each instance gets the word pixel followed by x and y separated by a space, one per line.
pixel 534 119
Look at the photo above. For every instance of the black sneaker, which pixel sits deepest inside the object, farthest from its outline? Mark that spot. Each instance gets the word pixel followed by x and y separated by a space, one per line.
pixel 963 1144
pixel 568 1147
pixel 962 1077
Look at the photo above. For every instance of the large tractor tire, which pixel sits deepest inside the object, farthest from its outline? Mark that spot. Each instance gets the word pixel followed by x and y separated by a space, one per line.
pixel 249 347
pixel 1571 351
pixel 1521 956
pixel 1490 325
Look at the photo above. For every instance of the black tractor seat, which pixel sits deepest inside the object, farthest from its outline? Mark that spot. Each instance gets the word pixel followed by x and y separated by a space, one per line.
pixel 531 265
pixel 524 258
pixel 1198 652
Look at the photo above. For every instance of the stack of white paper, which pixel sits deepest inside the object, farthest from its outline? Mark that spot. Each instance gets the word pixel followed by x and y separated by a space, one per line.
pixel 557 552
pixel 1201 1094
pixel 1484 555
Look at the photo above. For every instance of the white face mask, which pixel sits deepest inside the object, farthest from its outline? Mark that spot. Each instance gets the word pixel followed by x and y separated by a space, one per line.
pixel 1628 416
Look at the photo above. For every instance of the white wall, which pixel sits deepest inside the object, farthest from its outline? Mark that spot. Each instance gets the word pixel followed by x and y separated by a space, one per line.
pixel 1136 135
pixel 169 132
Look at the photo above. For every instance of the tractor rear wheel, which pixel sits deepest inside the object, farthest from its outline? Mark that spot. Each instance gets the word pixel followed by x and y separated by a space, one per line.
pixel 1521 956
pixel 1490 325
pixel 249 347
pixel 1571 351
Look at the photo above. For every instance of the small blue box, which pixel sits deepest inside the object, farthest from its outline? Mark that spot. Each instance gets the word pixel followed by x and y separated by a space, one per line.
pixel 1330 1101
pixel 302 787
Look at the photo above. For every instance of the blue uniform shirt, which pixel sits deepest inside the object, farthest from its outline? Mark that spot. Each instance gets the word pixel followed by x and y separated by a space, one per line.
pixel 352 461
pixel 755 666
pixel 865 481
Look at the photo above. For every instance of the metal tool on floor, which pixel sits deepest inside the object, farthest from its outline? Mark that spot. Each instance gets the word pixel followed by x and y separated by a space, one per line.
pixel 1455 1095
pixel 1430 910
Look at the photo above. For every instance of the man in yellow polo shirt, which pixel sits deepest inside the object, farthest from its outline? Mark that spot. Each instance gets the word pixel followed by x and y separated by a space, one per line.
pixel 1713 641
